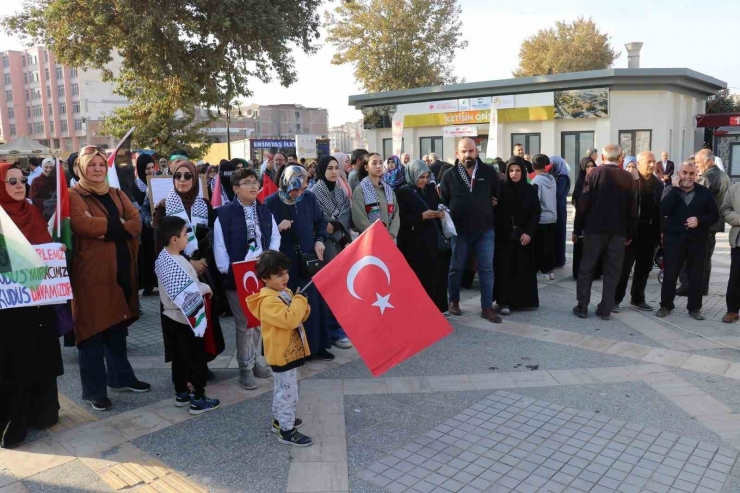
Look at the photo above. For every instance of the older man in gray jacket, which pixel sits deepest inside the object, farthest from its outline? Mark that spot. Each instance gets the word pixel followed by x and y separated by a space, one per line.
pixel 730 213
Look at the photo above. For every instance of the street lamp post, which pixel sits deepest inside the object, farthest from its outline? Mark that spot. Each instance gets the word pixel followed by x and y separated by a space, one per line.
pixel 228 125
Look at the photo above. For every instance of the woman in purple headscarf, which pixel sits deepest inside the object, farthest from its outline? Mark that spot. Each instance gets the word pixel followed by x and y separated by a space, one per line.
pixel 559 171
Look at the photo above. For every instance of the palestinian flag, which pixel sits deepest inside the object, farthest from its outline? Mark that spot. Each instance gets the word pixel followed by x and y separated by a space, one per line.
pixel 62 225
pixel 125 143
pixel 19 261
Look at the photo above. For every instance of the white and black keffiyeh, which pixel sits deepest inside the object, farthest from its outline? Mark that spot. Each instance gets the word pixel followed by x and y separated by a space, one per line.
pixel 198 215
pixel 254 233
pixel 372 206
pixel 334 203
pixel 464 174
pixel 182 290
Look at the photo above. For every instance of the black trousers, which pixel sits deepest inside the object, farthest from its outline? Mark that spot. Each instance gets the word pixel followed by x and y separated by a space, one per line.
pixel 188 358
pixel 611 249
pixel 693 251
pixel 639 254
pixel 733 285
pixel 544 240
pixel 684 276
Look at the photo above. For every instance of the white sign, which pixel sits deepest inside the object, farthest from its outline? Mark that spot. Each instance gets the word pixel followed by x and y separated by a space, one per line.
pixel 492 149
pixel 397 133
pixel 443 106
pixel 460 131
pixel 503 102
pixel 53 289
pixel 480 103
pixel 305 146
pixel 463 104
pixel 160 186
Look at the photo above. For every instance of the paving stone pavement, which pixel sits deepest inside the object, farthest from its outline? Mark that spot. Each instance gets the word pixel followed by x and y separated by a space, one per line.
pixel 508 442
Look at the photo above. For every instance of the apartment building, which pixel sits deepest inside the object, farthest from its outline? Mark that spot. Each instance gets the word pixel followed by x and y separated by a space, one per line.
pixel 61 107
pixel 348 136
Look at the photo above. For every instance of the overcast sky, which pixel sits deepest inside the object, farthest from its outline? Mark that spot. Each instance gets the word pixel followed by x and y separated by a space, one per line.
pixel 681 33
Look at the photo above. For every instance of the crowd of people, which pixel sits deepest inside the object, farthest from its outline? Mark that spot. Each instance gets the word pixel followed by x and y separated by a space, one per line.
pixel 509 223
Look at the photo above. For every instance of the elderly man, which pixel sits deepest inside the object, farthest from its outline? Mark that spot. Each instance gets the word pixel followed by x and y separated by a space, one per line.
pixel 730 212
pixel 664 168
pixel 689 210
pixel 606 217
pixel 640 252
pixel 405 158
pixel 470 191
pixel 438 167
pixel 426 159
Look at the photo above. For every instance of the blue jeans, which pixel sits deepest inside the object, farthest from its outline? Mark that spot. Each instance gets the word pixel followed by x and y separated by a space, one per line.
pixel 336 331
pixel 105 349
pixel 482 246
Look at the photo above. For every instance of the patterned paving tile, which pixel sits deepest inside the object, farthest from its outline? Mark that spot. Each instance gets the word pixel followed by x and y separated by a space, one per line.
pixel 510 443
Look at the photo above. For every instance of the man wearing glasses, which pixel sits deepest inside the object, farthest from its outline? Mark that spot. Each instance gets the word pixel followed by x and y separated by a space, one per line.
pixel 244 229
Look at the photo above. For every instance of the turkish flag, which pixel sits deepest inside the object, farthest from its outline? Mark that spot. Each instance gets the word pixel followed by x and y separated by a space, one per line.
pixel 268 188
pixel 247 283
pixel 380 302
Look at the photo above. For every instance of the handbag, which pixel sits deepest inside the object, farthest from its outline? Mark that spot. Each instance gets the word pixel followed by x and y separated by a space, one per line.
pixel 516 232
pixel 308 263
pixel 444 243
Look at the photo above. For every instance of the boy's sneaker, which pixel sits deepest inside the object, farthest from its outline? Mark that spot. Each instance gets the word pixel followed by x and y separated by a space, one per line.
pixel 137 386
pixel 182 400
pixel 543 277
pixel 294 438
pixel 343 343
pixel 551 275
pixel 276 425
pixel 101 404
pixel 203 405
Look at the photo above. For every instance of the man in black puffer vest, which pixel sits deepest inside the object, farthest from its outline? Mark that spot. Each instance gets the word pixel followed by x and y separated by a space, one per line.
pixel 689 210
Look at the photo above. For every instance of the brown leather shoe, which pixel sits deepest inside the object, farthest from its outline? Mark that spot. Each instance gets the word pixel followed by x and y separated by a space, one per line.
pixel 731 317
pixel 454 308
pixel 490 315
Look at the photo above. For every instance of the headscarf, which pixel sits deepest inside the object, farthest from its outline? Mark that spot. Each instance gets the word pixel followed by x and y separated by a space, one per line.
pixel 321 171
pixel 395 178
pixel 342 177
pixel 414 170
pixel 292 179
pixel 512 190
pixel 71 166
pixel 225 169
pixel 526 165
pixel 27 217
pixel 85 160
pixel 331 198
pixel 559 166
pixel 188 197
pixel 629 159
pixel 44 187
pixel 141 182
pixel 243 162
pixel 581 178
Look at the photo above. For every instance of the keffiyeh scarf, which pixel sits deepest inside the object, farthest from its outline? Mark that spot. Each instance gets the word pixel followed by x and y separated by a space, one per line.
pixel 146 217
pixel 183 291
pixel 198 215
pixel 372 206
pixel 469 181
pixel 254 233
pixel 334 203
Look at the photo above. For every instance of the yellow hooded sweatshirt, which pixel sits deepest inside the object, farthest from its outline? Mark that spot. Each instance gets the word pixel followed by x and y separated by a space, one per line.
pixel 282 327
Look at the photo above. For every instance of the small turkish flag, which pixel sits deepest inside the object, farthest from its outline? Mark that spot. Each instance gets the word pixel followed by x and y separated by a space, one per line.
pixel 217 196
pixel 268 188
pixel 379 301
pixel 247 283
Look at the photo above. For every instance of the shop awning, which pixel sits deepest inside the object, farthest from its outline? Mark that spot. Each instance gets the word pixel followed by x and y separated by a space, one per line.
pixel 718 120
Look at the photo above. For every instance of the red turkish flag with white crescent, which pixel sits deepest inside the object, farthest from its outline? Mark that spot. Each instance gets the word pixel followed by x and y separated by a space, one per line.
pixel 247 283
pixel 379 301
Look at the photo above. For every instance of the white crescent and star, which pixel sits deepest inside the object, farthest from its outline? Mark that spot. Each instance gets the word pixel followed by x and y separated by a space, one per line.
pixel 383 301
pixel 247 276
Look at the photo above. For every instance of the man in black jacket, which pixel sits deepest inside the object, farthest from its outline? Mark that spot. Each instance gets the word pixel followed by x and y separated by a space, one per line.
pixel 649 190
pixel 690 211
pixel 606 217
pixel 470 190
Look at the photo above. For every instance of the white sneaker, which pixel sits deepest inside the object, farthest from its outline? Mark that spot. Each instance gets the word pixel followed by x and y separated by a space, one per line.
pixel 543 277
pixel 343 343
pixel 552 276
pixel 505 310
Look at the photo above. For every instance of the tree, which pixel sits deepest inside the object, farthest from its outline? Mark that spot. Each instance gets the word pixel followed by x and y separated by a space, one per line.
pixel 722 102
pixel 573 47
pixel 397 44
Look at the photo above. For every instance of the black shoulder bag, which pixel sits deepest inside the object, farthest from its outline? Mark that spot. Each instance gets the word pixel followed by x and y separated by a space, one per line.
pixel 309 263
pixel 444 244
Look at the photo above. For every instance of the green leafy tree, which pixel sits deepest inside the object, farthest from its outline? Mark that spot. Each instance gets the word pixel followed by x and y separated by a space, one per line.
pixel 722 102
pixel 568 47
pixel 397 44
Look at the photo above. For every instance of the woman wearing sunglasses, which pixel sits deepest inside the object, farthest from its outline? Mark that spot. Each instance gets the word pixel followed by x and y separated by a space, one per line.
pixel 106 226
pixel 30 356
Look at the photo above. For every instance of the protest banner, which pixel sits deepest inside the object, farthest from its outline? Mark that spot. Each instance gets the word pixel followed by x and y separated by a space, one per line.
pixel 46 285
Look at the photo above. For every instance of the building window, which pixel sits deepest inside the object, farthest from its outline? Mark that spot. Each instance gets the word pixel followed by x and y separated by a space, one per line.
pixel 62 108
pixel 35 93
pixel 734 165
pixel 25 77
pixel 11 112
pixel 38 127
pixel 34 76
pixel 12 129
pixel 9 96
pixel 634 142
pixel 531 143
pixel 28 111
pixel 48 91
pixel 388 148
pixel 76 107
pixel 37 111
pixel 430 144
pixel 63 127
pixel 51 110
pixel 73 72
pixel 30 129
pixel 60 90
pixel 46 73
pixel 24 60
pixel 7 79
pixel 78 124
pixel 82 141
pixel 46 55
pixel 51 126
pixel 573 146
pixel 75 89
pixel 6 62
pixel 28 95
pixel 60 73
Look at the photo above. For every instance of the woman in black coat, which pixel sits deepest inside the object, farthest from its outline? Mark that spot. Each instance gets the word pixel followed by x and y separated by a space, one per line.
pixel 417 236
pixel 517 215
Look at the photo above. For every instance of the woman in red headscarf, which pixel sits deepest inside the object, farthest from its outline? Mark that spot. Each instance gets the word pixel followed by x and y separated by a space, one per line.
pixel 30 355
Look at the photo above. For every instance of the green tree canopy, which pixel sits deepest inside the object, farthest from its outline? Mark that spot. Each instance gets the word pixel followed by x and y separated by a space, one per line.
pixel 568 47
pixel 397 44
pixel 723 102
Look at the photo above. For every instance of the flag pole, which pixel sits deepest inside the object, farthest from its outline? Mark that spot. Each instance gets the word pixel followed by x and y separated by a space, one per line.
pixel 304 288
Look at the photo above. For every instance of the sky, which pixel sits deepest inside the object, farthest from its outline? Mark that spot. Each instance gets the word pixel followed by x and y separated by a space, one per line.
pixel 678 34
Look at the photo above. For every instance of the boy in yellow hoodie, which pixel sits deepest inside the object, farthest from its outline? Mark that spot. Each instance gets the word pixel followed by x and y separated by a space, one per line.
pixel 282 315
